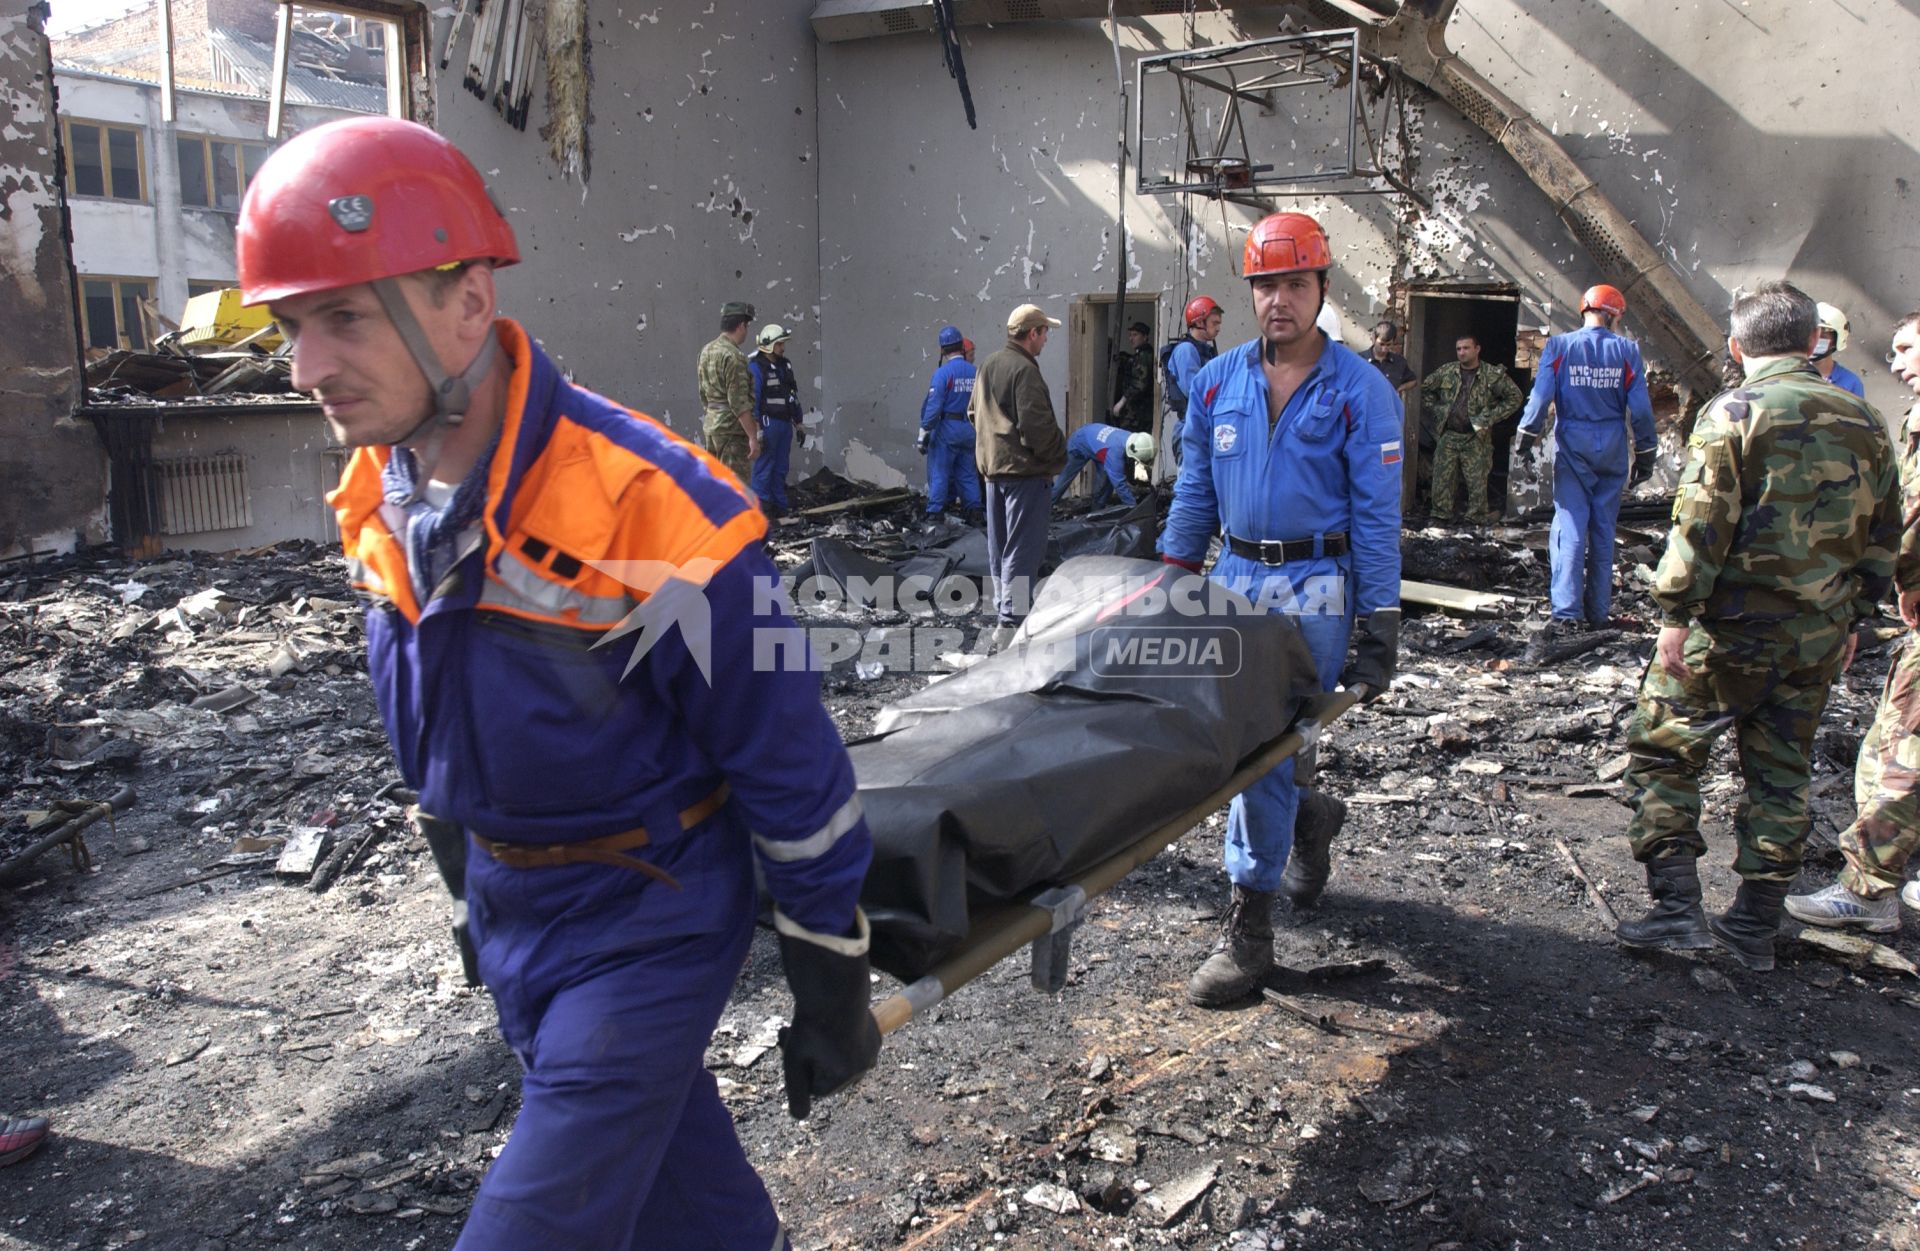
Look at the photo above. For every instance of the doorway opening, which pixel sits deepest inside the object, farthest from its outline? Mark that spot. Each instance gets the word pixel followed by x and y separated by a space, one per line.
pixel 1437 315
pixel 1094 370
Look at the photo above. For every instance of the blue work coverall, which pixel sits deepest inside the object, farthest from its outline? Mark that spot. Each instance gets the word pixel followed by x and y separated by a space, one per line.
pixel 1329 466
pixel 1105 446
pixel 1184 361
pixel 776 405
pixel 1595 381
pixel 1847 380
pixel 951 476
pixel 608 977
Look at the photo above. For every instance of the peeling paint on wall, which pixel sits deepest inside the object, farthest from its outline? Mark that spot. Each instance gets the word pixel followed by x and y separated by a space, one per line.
pixel 863 464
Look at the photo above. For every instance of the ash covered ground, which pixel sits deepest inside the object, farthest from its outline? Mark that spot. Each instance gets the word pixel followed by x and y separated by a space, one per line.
pixel 238 1057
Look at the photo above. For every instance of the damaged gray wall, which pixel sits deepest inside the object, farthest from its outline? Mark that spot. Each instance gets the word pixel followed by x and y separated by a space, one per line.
pixel 1743 150
pixel 704 189
pixel 1747 141
pixel 53 467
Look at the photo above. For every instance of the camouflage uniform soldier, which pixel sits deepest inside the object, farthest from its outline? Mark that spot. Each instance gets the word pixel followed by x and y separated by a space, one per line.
pixel 726 394
pixel 1134 409
pixel 1886 782
pixel 1467 398
pixel 1782 538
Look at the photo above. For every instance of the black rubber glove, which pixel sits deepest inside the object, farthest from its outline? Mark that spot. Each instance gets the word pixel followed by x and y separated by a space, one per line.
pixel 1642 467
pixel 1525 443
pixel 833 1038
pixel 922 439
pixel 1376 653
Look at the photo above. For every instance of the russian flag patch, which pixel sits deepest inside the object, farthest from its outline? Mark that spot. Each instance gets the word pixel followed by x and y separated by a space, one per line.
pixel 1390 453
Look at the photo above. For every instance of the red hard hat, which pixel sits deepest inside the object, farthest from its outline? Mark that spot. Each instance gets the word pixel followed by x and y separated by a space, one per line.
pixel 1199 308
pixel 358 200
pixel 1286 243
pixel 1605 299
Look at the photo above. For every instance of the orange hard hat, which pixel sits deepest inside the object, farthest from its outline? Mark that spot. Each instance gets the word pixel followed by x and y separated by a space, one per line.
pixel 1199 308
pixel 1603 299
pixel 360 200
pixel 1286 243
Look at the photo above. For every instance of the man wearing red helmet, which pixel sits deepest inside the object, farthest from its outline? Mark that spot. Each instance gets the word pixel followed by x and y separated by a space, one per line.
pixel 1597 383
pixel 1185 356
pixel 501 524
pixel 1293 455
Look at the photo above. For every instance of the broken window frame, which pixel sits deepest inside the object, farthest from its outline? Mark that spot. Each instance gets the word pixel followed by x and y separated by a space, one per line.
pixel 405 29
pixel 103 148
pixel 242 169
pixel 1253 71
pixel 125 301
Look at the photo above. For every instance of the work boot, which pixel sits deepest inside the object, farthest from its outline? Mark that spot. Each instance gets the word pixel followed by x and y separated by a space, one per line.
pixel 1836 907
pixel 1243 955
pixel 1676 921
pixel 1319 818
pixel 20 1137
pixel 1747 929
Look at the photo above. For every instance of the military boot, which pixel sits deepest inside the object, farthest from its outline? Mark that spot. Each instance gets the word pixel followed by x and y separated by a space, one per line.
pixel 1747 929
pixel 1676 920
pixel 1319 818
pixel 1242 957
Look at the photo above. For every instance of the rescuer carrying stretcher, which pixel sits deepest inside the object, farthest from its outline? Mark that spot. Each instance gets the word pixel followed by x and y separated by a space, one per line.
pixel 500 523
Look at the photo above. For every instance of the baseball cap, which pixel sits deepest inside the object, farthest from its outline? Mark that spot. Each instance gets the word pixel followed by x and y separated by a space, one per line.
pixel 1026 317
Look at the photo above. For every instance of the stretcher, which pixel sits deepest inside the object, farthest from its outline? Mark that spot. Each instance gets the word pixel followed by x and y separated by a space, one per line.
pixel 1045 922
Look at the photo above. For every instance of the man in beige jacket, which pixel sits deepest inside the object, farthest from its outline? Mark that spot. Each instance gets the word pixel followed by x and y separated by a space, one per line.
pixel 1018 448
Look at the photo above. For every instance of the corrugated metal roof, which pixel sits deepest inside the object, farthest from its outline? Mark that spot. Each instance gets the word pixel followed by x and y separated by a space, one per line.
pixel 252 63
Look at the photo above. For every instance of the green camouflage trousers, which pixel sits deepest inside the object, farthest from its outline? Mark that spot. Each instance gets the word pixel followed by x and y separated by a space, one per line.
pixel 1886 785
pixel 1770 691
pixel 1458 456
pixel 725 439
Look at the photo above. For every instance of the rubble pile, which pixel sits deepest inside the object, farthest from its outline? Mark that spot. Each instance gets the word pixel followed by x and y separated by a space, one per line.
pixel 247 1020
pixel 234 688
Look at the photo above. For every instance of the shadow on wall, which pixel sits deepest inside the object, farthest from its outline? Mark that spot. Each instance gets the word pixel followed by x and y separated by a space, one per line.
pixel 1830 227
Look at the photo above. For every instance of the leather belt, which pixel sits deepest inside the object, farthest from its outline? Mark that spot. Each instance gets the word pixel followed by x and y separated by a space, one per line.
pixel 611 849
pixel 1280 552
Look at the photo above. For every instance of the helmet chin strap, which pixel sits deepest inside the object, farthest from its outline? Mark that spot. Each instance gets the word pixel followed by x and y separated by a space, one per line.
pixel 452 395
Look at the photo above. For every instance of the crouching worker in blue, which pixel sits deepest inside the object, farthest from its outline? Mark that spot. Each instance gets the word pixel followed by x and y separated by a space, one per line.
pixel 1107 448
pixel 1292 452
pixel 1596 382
pixel 616 800
pixel 946 431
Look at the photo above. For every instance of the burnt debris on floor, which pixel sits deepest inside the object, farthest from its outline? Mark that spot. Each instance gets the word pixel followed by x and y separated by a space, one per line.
pixel 249 1025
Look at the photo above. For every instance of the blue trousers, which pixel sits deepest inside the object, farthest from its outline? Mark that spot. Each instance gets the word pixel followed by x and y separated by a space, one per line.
pixel 1589 478
pixel 622 1143
pixel 770 470
pixel 1260 818
pixel 951 477
pixel 1016 542
pixel 1103 487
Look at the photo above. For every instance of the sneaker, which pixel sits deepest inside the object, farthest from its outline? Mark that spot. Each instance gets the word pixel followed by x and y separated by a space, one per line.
pixel 1836 907
pixel 1910 895
pixel 20 1136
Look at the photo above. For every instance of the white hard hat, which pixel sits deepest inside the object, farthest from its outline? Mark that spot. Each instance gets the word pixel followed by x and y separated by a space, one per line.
pixel 772 333
pixel 1832 319
pixel 1140 446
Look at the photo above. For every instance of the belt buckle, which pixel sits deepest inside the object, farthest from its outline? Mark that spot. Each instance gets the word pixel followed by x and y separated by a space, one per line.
pixel 1273 551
